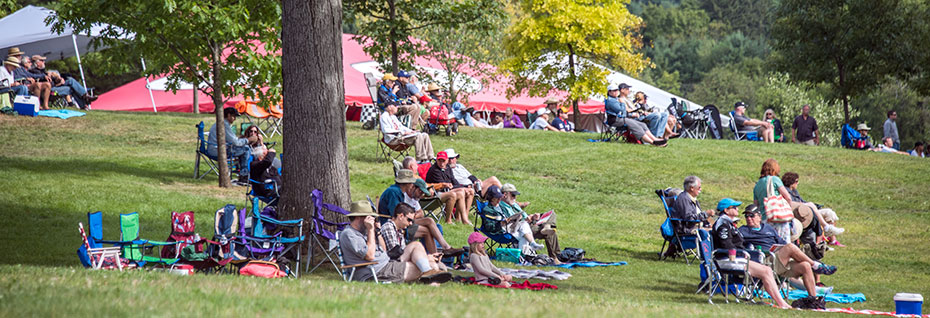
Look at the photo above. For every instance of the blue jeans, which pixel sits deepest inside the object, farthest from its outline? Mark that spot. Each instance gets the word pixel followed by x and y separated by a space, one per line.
pixel 241 153
pixel 657 123
pixel 21 90
pixel 460 115
pixel 70 87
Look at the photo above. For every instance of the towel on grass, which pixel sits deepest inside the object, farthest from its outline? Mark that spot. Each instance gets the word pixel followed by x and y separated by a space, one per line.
pixel 524 285
pixel 60 113
pixel 867 312
pixel 532 273
pixel 836 298
pixel 589 264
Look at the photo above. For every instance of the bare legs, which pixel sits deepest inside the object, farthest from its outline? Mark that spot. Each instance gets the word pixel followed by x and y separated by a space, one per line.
pixel 768 282
pixel 455 205
pixel 800 267
pixel 428 230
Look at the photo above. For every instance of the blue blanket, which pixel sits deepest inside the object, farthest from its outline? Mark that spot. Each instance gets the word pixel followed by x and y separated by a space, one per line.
pixel 60 113
pixel 588 264
pixel 836 298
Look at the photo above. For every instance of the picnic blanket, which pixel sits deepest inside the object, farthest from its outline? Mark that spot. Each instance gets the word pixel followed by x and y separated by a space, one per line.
pixel 589 264
pixel 531 273
pixel 524 285
pixel 868 312
pixel 836 298
pixel 60 113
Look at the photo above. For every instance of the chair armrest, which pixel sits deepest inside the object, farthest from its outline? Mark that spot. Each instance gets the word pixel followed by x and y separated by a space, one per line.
pixel 358 265
pixel 160 243
pixel 685 221
pixel 280 222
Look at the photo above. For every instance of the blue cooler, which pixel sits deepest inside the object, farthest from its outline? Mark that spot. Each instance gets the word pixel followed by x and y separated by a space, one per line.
pixel 26 105
pixel 908 304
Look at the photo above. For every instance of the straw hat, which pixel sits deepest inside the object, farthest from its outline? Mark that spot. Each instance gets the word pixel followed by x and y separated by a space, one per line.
pixel 12 61
pixel 432 87
pixel 552 100
pixel 361 208
pixel 863 126
pixel 14 51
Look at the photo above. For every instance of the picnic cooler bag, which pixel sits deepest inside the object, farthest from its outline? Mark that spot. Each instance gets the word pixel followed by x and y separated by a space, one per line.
pixel 508 254
pixel 26 105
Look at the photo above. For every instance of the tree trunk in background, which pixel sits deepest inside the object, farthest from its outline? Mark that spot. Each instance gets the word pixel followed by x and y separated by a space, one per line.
pixel 196 97
pixel 315 138
pixel 220 128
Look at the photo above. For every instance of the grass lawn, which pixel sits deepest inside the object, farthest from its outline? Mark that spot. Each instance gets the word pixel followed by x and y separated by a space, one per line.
pixel 55 171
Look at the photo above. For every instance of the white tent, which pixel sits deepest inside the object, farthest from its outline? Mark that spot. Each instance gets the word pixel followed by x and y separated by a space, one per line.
pixel 27 30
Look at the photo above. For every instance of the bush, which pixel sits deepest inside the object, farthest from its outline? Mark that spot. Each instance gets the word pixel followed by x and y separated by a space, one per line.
pixel 787 99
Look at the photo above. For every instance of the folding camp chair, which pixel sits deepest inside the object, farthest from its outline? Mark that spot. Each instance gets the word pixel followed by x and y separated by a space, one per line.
pixel 348 271
pixel 99 257
pixel 694 124
pixel 203 155
pixel 271 229
pixel 685 243
pixel 746 134
pixel 612 133
pixel 431 205
pixel 319 225
pixel 138 248
pixel 852 139
pixel 394 151
pixel 718 272
pixel 267 121
pixel 225 227
pixel 490 227
pixel 191 249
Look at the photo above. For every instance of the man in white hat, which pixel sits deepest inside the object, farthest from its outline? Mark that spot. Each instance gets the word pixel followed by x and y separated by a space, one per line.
pixel 396 132
pixel 464 177
pixel 6 76
pixel 542 120
pixel 360 244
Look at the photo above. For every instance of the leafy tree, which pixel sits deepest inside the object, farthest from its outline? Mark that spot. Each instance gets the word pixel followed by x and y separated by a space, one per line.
pixel 314 97
pixel 467 48
pixel 852 45
pixel 751 17
pixel 211 42
pixel 725 85
pixel 674 22
pixel 549 36
pixel 386 28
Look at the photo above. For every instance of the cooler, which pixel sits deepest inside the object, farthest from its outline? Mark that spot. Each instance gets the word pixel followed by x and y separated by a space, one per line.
pixel 908 304
pixel 508 255
pixel 26 105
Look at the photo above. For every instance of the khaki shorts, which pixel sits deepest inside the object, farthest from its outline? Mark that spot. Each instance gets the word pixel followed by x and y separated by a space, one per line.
pixel 392 272
pixel 783 269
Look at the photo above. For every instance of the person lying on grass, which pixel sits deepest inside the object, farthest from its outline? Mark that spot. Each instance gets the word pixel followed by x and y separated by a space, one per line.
pixel 485 271
pixel 408 190
pixel 399 242
pixel 360 244
pixel 527 226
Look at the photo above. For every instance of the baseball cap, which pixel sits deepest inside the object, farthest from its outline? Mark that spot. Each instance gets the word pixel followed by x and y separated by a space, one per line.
pixel 403 74
pixel 442 155
pixel 542 111
pixel 624 85
pixel 751 210
pixel 726 203
pixel 612 87
pixel 508 187
pixel 422 185
pixel 451 153
pixel 738 104
pixel 425 99
pixel 389 77
pixel 476 237
pixel 494 192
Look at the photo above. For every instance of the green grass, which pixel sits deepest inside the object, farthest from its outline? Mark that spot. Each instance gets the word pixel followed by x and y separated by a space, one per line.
pixel 55 171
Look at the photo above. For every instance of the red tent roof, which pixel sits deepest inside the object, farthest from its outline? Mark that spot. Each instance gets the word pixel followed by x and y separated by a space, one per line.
pixel 135 97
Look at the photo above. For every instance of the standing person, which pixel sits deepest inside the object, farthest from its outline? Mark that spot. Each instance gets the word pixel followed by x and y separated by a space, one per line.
pixel 776 123
pixel 770 171
pixel 804 129
pixel 512 120
pixel 766 130
pixel 890 129
pixel 918 150
pixel 235 147
pixel 615 106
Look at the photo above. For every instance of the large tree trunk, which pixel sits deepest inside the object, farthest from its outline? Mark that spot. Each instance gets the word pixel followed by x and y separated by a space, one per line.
pixel 571 66
pixel 220 127
pixel 394 53
pixel 313 108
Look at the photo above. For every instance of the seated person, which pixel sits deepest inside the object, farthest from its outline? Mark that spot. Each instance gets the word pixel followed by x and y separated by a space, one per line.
pixel 615 108
pixel 408 189
pixel 66 86
pixel 778 130
pixel 522 224
pixel 235 147
pixel 542 122
pixel 765 130
pixel 918 150
pixel 36 82
pixel 888 146
pixel 463 114
pixel 455 196
pixel 643 111
pixel 419 169
pixel 561 122
pixel 789 261
pixel 395 133
pixel 255 134
pixel 465 178
pixel 360 244
pixel 397 234
pixel 866 144
pixel 687 208
pixel 481 122
pixel 485 271
pixel 512 120
pixel 495 211
pixel 727 237
pixel 264 176
pixel 825 216
pixel 8 79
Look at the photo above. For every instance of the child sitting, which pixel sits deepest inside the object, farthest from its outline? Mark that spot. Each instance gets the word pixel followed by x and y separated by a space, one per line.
pixel 485 272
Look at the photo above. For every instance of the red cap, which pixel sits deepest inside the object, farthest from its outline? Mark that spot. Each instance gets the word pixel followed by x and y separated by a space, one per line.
pixel 442 155
pixel 425 99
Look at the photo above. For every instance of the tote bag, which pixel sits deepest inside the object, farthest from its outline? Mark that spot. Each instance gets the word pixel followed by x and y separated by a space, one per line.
pixel 777 209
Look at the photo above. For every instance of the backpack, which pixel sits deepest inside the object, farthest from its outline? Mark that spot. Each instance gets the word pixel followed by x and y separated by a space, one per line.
pixel 571 254
pixel 810 303
pixel 438 112
pixel 537 260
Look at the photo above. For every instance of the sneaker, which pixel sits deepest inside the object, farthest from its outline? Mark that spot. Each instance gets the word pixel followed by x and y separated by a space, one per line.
pixel 435 276
pixel 536 246
pixel 660 143
pixel 837 244
pixel 825 269
pixel 831 230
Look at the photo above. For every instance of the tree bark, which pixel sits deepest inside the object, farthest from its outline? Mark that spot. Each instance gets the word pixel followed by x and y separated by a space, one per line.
pixel 196 97
pixel 841 73
pixel 313 108
pixel 394 53
pixel 218 110
pixel 571 66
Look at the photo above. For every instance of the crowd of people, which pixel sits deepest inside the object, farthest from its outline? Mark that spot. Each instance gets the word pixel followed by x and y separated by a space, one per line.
pixel 790 240
pixel 26 75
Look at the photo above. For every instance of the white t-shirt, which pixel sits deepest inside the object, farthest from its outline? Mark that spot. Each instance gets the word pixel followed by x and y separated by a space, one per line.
pixel 411 202
pixel 6 77
pixel 461 174
pixel 540 124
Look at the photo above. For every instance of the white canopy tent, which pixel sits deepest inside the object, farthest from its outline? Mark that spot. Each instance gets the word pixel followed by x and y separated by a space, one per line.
pixel 27 30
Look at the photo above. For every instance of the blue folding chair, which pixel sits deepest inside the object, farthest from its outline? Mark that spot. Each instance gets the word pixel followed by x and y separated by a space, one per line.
pixel 685 243
pixel 720 275
pixel 489 225
pixel 203 155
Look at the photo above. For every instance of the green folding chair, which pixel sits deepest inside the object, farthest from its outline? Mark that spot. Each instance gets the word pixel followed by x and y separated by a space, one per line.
pixel 130 228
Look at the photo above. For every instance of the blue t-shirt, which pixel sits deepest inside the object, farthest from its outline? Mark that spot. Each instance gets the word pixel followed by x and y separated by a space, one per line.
pixel 561 125
pixel 413 89
pixel 764 237
pixel 390 198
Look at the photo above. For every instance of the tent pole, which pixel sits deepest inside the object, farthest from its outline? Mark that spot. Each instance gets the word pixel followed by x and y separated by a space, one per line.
pixel 78 54
pixel 152 97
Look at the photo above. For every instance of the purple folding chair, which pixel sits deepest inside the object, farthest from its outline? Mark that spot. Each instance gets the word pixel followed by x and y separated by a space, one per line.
pixel 319 224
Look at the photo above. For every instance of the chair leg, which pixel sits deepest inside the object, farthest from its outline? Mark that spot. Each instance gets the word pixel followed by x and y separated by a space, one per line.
pixel 196 164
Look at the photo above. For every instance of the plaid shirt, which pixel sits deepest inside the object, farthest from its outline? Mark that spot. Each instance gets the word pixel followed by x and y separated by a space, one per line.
pixel 392 236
